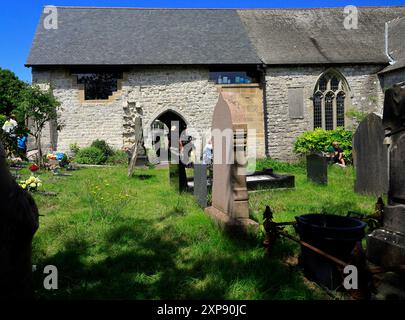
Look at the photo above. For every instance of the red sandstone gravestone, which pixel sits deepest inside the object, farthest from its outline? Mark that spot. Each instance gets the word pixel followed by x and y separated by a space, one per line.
pixel 230 198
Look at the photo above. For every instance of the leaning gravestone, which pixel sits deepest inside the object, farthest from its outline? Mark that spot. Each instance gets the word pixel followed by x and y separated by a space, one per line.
pixel 370 156
pixel 230 207
pixel 386 246
pixel 18 224
pixel 317 168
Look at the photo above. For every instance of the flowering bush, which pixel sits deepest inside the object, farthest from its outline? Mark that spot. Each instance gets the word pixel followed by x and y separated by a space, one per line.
pixel 31 184
pixel 33 167
pixel 51 156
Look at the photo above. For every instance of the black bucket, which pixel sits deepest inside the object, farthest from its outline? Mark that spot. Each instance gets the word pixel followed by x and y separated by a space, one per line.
pixel 333 234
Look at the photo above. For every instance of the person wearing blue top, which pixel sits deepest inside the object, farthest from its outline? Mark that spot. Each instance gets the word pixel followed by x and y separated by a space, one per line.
pixel 22 144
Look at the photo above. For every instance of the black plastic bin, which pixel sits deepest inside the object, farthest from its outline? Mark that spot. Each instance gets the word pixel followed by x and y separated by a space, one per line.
pixel 333 234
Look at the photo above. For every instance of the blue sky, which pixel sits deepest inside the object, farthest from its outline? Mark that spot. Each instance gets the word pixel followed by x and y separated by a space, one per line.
pixel 18 18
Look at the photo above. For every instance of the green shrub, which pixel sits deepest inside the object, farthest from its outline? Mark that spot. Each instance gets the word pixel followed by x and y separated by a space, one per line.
pixel 74 148
pixel 119 157
pixel 103 146
pixel 279 166
pixel 3 119
pixel 90 155
pixel 320 140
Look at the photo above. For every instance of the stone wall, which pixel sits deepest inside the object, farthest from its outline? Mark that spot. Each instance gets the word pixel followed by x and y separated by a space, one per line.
pixel 81 123
pixel 393 77
pixel 151 91
pixel 251 98
pixel 147 91
pixel 185 91
pixel 365 95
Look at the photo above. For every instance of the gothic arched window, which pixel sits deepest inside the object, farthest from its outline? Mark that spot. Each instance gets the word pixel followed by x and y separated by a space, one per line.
pixel 330 101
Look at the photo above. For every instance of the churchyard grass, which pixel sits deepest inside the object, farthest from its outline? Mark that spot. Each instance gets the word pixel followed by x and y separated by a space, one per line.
pixel 117 238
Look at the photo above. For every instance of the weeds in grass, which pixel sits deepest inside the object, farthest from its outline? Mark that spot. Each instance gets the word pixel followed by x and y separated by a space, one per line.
pixel 104 207
pixel 157 244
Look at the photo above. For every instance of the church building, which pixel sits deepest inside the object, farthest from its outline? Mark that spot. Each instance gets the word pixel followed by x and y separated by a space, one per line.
pixel 293 69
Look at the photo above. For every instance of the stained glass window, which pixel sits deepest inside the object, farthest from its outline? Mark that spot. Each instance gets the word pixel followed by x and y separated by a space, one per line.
pixel 334 84
pixel 329 111
pixel 329 101
pixel 318 111
pixel 323 84
pixel 340 110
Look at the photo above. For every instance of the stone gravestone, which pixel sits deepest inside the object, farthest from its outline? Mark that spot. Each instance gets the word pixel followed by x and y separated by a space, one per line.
pixel 177 169
pixel 370 156
pixel 317 168
pixel 386 246
pixel 178 177
pixel 138 146
pixel 18 224
pixel 230 207
pixel 200 184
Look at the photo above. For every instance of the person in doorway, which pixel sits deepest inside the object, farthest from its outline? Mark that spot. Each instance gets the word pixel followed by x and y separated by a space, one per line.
pixel 337 154
pixel 208 153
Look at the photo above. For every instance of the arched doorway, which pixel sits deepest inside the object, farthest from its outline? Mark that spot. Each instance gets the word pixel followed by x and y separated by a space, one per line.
pixel 167 125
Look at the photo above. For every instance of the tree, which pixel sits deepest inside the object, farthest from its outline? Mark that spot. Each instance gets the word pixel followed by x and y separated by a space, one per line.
pixel 11 89
pixel 39 107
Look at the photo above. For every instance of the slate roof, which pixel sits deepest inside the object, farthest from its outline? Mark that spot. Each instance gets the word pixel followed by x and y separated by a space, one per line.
pixel 396 44
pixel 318 36
pixel 128 36
pixel 125 36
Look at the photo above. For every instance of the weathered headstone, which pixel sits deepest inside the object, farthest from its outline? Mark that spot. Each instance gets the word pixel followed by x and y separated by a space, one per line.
pixel 178 177
pixel 386 246
pixel 138 144
pixel 230 206
pixel 200 184
pixel 370 156
pixel 18 224
pixel 317 168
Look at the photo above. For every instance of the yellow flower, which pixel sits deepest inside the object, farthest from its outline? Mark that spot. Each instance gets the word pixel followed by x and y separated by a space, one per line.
pixel 33 185
pixel 24 186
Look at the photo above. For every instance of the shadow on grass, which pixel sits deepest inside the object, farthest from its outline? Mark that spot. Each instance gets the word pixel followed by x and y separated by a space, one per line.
pixel 143 176
pixel 139 265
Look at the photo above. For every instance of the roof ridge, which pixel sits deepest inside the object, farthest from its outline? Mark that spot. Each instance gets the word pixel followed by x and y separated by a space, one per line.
pixel 247 9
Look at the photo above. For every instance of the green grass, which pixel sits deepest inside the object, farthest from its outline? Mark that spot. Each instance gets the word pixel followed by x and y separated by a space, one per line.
pixel 112 237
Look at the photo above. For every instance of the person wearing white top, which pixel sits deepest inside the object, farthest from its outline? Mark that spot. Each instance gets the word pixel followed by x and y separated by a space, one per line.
pixel 208 153
pixel 9 126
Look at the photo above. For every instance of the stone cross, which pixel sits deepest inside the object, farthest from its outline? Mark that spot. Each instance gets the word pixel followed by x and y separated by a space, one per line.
pixel 386 246
pixel 230 198
pixel 18 224
pixel 370 156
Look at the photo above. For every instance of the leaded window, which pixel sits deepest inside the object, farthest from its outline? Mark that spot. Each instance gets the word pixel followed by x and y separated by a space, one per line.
pixel 329 111
pixel 318 110
pixel 330 101
pixel 100 85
